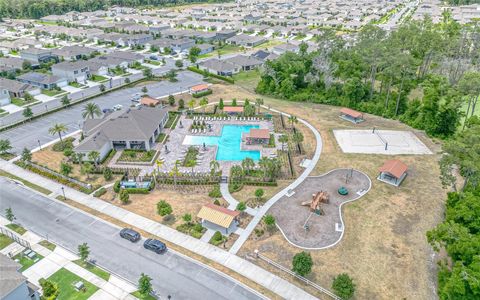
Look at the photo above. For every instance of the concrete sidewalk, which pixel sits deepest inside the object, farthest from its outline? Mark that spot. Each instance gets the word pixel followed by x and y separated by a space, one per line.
pixel 245 268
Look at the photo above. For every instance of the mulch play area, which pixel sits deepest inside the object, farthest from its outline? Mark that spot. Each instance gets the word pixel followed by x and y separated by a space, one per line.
pixel 319 225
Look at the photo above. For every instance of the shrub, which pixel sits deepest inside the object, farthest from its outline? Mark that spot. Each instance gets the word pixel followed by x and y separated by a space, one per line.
pixel 202 94
pixel 137 190
pixel 302 263
pixel 259 232
pixel 241 206
pixel 217 238
pixel 163 208
pixel 169 218
pixel 61 146
pixel 107 174
pixel 215 192
pixel 100 192
pixel 269 220
pixel 343 286
pixel 116 186
pixel 216 202
pixel 124 196
pixel 259 193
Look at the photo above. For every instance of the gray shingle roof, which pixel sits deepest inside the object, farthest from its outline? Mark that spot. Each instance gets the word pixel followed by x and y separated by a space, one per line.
pixel 10 278
pixel 40 78
pixel 218 65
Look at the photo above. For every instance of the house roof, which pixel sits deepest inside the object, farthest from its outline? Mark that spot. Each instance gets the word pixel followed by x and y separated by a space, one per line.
pixel 256 133
pixel 68 51
pixel 70 65
pixel 10 278
pixel 217 215
pixel 15 86
pixel 127 124
pixel 233 109
pixel 149 101
pixel 40 78
pixel 218 65
pixel 351 112
pixel 243 61
pixel 394 167
pixel 199 87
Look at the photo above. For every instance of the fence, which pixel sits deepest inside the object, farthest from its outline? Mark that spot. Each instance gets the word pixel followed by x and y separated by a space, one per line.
pixel 15 237
pixel 305 280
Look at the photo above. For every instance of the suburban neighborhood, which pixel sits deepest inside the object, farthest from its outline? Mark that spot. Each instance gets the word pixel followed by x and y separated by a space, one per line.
pixel 239 149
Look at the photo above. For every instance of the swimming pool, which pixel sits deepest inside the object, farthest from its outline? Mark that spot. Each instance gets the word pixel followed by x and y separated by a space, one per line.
pixel 228 143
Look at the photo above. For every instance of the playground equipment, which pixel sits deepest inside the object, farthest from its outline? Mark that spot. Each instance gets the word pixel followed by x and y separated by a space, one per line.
pixel 317 199
pixel 343 191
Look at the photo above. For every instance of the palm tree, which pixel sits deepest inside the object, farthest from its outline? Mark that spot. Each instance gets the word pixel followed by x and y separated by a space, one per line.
pixel 175 172
pixel 297 138
pixel 94 156
pixel 159 164
pixel 258 103
pixel 58 128
pixel 248 164
pixel 264 164
pixel 236 172
pixel 90 110
pixel 191 104
pixel 214 166
pixel 203 103
pixel 292 119
pixel 283 139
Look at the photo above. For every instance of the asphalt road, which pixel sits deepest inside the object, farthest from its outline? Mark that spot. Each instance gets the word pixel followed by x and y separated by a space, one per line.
pixel 29 134
pixel 172 274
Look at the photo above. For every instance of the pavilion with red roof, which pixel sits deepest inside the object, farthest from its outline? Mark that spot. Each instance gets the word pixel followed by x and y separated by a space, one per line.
pixel 393 172
pixel 351 115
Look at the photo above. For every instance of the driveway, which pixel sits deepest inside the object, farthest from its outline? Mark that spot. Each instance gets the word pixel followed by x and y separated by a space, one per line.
pixel 172 274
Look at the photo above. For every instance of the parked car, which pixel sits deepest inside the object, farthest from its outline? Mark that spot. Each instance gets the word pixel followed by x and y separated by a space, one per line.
pixel 118 107
pixel 107 110
pixel 155 245
pixel 153 57
pixel 130 234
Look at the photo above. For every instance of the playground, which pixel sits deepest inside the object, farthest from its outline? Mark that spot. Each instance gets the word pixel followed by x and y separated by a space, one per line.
pixel 310 217
pixel 375 141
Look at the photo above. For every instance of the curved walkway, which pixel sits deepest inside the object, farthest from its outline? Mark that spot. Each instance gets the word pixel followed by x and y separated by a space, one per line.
pixel 258 217
pixel 327 230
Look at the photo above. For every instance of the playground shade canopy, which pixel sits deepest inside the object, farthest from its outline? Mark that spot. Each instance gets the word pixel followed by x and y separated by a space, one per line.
pixel 217 215
pixel 394 167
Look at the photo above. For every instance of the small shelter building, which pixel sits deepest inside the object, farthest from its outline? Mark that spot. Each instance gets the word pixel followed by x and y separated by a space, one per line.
pixel 393 172
pixel 219 218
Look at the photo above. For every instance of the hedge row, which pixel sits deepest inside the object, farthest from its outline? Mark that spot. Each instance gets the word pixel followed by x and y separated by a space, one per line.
pixel 57 178
pixel 200 95
pixel 206 73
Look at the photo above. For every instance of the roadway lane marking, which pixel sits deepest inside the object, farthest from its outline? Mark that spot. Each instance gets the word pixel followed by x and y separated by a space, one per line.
pixel 92 223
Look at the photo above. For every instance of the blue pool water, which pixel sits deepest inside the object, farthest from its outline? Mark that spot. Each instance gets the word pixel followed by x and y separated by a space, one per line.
pixel 228 143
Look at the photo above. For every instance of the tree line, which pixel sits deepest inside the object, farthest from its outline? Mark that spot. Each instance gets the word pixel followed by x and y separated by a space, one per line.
pixel 422 73
pixel 35 9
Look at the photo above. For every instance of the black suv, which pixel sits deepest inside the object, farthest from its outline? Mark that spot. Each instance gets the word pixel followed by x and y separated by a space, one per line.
pixel 130 234
pixel 155 246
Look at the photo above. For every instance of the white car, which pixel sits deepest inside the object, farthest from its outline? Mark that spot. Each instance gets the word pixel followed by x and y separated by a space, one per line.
pixel 118 107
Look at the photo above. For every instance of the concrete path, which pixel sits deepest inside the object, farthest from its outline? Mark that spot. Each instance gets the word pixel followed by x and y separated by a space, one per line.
pixel 245 268
pixel 207 235
pixel 258 217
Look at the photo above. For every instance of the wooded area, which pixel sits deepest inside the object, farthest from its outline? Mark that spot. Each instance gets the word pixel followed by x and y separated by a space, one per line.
pixel 435 65
pixel 39 8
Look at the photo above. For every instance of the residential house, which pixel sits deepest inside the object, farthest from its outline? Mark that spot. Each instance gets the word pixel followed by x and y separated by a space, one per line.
pixel 127 56
pixel 97 68
pixel 244 63
pixel 287 47
pixel 4 97
pixel 264 55
pixel 219 67
pixel 157 29
pixel 74 71
pixel 246 40
pixel 44 81
pixel 36 55
pixel 13 63
pixel 225 34
pixel 182 45
pixel 17 89
pixel 71 53
pixel 13 285
pixel 135 128
pixel 205 48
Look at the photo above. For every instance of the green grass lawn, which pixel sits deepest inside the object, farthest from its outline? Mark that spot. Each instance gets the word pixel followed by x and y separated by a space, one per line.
pixel 48 245
pixel 76 84
pixel 160 137
pixel 17 228
pixel 27 262
pixel 247 79
pixel 7 155
pixel 22 102
pixel 4 241
pixel 52 93
pixel 171 118
pixel 136 155
pixel 65 280
pixel 118 72
pixel 26 183
pixel 153 62
pixel 94 269
pixel 269 44
pixel 98 78
pixel 140 296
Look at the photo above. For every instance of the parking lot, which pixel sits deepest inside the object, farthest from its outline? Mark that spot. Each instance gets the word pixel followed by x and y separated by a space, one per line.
pixel 33 133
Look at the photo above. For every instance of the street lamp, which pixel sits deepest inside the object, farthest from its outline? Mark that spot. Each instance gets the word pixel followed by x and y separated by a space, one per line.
pixel 46 107
pixel 63 191
pixel 39 145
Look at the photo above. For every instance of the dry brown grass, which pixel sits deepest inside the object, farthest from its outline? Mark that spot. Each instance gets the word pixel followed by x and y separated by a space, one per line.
pixel 384 247
pixel 52 159
pixel 247 193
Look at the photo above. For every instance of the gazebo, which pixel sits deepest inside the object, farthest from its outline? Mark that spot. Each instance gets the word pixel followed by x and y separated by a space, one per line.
pixel 258 136
pixel 351 115
pixel 393 172
pixel 233 110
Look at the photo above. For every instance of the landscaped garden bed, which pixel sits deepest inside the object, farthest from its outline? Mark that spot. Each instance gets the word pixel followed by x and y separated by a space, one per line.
pixel 4 241
pixel 53 93
pixel 130 155
pixel 66 281
pixel 26 261
pixel 94 269
pixel 17 228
